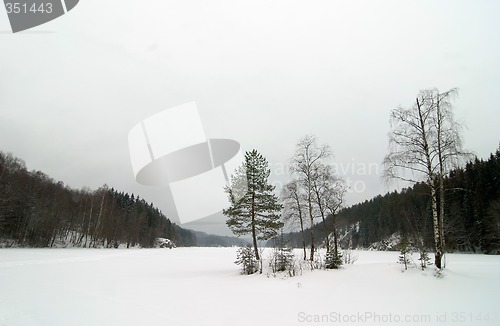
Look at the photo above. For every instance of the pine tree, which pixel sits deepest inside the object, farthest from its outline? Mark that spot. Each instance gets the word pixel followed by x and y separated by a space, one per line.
pixel 333 259
pixel 424 258
pixel 404 247
pixel 254 209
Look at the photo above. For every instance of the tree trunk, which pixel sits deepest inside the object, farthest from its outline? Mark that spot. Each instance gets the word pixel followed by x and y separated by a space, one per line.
pixel 254 233
pixel 441 172
pixel 303 237
pixel 321 210
pixel 430 175
pixel 335 238
pixel 301 220
pixel 441 215
pixel 311 216
pixel 437 232
pixel 327 236
pixel 90 220
pixel 98 235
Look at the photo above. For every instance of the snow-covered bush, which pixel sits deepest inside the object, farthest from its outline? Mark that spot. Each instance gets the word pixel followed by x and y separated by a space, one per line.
pixel 246 258
pixel 348 256
pixel 333 260
pixel 165 243
pixel 283 260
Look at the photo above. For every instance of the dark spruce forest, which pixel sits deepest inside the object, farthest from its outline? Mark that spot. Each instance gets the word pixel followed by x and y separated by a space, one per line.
pixel 471 219
pixel 37 211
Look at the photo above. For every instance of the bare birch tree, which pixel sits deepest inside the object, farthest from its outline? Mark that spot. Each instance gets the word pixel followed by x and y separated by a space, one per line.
pixel 425 141
pixel 449 145
pixel 293 207
pixel 308 157
pixel 334 197
pixel 320 183
pixel 329 191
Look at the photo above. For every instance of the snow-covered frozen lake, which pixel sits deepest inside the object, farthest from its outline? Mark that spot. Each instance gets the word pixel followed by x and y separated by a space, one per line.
pixel 202 286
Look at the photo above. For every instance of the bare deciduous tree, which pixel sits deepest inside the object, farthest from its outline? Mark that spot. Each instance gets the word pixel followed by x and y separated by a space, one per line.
pixel 321 179
pixel 293 207
pixel 425 141
pixel 329 191
pixel 334 197
pixel 449 145
pixel 308 157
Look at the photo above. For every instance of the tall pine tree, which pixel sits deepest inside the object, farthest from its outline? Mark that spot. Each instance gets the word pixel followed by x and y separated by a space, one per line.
pixel 254 209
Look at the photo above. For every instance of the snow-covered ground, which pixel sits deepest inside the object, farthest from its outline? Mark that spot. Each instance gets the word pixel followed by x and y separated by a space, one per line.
pixel 202 286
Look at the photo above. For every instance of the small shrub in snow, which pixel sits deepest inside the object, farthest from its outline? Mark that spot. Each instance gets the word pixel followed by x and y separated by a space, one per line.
pixel 283 261
pixel 424 259
pixel 246 258
pixel 333 260
pixel 404 247
pixel 438 273
pixel 164 243
pixel 348 256
pixel 318 261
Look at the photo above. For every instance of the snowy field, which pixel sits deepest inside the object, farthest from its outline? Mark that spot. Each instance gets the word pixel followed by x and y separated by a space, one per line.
pixel 202 286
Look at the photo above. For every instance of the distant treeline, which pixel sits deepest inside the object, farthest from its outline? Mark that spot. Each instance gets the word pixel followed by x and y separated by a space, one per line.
pixel 471 222
pixel 37 211
pixel 210 240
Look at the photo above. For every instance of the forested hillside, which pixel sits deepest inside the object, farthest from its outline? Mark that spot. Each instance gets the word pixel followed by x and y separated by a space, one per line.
pixel 471 221
pixel 37 211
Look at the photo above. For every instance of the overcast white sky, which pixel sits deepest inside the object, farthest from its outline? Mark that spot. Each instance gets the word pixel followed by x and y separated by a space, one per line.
pixel 264 73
